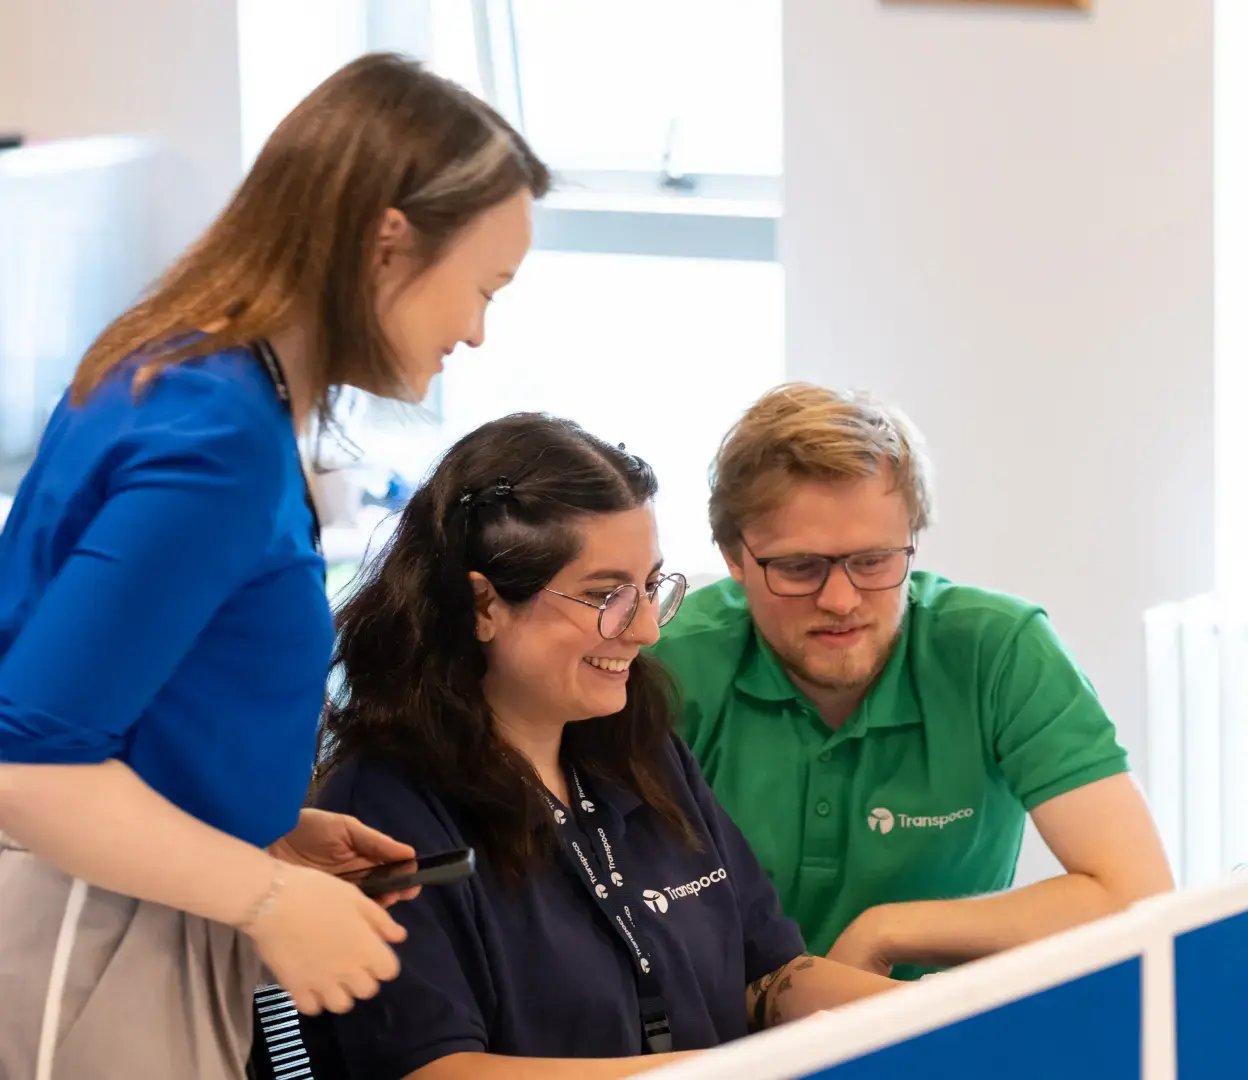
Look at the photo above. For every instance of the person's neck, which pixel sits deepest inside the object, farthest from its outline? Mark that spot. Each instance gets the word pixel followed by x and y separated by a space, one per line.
pixel 835 706
pixel 293 345
pixel 539 744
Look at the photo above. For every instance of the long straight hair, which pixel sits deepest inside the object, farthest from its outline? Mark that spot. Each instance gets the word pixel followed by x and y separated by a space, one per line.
pixel 300 232
pixel 411 663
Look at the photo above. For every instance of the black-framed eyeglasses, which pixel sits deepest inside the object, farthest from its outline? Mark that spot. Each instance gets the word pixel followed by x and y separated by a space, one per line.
pixel 618 608
pixel 806 575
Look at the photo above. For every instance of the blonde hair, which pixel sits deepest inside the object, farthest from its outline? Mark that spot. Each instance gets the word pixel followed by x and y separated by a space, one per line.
pixel 301 230
pixel 804 432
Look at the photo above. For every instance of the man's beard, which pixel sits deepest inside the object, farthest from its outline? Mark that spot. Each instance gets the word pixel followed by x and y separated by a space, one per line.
pixel 840 683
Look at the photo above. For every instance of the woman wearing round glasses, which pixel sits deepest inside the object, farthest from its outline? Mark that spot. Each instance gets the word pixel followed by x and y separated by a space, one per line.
pixel 495 697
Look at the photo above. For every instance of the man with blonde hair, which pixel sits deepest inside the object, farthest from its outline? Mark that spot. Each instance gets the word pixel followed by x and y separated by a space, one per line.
pixel 880 733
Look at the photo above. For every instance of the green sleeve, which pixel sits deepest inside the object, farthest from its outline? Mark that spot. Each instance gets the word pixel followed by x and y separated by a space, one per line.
pixel 1050 732
pixel 682 667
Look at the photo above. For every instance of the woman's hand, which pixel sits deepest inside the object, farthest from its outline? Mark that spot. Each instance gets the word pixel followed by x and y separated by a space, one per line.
pixel 339 844
pixel 326 943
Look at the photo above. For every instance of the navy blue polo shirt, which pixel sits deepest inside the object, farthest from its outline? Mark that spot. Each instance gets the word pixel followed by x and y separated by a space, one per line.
pixel 535 969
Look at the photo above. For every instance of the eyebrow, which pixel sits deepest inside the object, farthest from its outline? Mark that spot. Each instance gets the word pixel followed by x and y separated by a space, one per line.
pixel 620 577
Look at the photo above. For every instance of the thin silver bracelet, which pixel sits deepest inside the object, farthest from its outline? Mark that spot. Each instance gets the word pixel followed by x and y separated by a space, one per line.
pixel 268 901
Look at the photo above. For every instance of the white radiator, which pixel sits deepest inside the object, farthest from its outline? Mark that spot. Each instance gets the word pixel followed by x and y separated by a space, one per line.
pixel 1198 734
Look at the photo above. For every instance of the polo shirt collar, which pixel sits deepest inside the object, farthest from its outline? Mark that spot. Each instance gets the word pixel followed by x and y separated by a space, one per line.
pixel 620 800
pixel 890 702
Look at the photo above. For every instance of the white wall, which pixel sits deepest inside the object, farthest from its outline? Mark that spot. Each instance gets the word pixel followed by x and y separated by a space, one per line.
pixel 167 68
pixel 1231 300
pixel 277 68
pixel 1001 219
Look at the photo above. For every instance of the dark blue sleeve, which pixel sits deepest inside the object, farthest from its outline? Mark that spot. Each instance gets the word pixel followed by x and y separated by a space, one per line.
pixel 771 939
pixel 189 506
pixel 438 1003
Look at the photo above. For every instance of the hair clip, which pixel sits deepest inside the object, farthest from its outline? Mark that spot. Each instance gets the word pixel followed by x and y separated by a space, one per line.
pixel 465 498
pixel 502 488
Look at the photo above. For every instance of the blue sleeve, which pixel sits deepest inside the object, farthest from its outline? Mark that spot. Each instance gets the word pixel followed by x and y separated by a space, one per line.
pixel 770 938
pixel 438 1003
pixel 189 507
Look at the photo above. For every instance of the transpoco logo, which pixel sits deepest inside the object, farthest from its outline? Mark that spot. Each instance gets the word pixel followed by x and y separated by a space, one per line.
pixel 587 806
pixel 560 817
pixel 883 821
pixel 657 901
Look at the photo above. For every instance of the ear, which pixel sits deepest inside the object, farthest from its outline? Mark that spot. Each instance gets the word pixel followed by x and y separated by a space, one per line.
pixel 394 235
pixel 735 568
pixel 486 605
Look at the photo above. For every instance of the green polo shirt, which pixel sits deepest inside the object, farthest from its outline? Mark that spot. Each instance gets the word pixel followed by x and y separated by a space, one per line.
pixel 979 716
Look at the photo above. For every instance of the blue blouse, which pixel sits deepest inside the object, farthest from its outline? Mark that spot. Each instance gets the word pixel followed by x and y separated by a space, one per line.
pixel 161 598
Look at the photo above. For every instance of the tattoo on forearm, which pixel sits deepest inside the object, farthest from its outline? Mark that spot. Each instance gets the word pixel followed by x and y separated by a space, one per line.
pixel 771 987
pixel 773 1016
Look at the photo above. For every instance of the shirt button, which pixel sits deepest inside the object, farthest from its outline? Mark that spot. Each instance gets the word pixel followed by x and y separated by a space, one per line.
pixel 823 808
pixel 825 755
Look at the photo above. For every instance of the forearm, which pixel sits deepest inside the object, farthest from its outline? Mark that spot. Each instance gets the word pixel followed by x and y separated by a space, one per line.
pixel 942 933
pixel 807 985
pixel 489 1066
pixel 103 824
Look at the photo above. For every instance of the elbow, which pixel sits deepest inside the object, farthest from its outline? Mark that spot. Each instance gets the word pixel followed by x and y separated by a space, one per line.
pixel 1123 894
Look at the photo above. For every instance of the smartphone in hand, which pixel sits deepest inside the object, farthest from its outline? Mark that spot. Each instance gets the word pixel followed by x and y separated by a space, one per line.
pixel 443 868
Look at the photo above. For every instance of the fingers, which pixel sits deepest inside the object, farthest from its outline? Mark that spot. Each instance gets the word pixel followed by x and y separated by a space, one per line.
pixel 370 843
pixel 362 986
pixel 306 1001
pixel 380 921
pixel 335 999
pixel 390 899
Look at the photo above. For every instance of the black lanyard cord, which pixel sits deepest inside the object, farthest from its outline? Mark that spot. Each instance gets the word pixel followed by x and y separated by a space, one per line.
pixel 263 350
pixel 598 870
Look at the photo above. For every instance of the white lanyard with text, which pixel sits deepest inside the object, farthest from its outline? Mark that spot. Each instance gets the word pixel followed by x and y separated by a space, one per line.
pixel 610 897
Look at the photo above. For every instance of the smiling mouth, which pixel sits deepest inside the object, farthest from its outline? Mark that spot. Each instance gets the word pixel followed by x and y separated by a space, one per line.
pixel 609 664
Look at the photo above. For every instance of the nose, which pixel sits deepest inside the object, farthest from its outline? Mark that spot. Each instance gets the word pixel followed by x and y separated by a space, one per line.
pixel 644 629
pixel 838 595
pixel 475 337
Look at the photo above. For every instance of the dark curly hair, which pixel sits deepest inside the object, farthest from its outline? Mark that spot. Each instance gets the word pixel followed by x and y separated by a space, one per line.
pixel 408 654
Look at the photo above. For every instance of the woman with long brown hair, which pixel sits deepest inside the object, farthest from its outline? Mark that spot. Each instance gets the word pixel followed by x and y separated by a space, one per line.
pixel 495 696
pixel 164 629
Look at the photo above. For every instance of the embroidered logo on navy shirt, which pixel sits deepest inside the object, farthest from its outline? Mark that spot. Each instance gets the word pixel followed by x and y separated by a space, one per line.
pixel 655 900
pixel 659 902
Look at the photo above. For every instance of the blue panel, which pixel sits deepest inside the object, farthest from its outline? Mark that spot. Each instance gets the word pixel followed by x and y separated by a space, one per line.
pixel 1211 999
pixel 1086 1029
